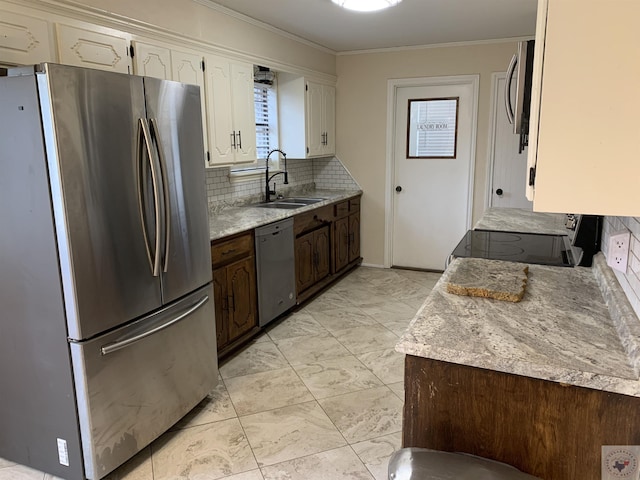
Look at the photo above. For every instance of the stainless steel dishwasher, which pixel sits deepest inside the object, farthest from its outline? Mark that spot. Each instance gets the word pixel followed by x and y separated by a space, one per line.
pixel 275 260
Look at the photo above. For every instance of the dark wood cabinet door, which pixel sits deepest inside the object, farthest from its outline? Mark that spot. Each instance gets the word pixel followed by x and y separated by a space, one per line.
pixel 241 297
pixel 221 306
pixel 304 262
pixel 354 236
pixel 341 243
pixel 322 252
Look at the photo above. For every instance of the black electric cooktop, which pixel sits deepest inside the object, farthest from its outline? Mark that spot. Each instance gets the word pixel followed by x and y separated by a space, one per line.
pixel 536 248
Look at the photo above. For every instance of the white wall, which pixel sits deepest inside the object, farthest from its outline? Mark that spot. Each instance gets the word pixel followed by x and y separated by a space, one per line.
pixel 362 119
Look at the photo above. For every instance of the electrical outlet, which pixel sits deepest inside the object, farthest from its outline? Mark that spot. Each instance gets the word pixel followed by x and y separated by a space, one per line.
pixel 618 251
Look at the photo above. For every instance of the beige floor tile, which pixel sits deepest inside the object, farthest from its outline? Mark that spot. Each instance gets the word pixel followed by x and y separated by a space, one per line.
pixel 375 453
pixel 387 365
pixel 206 452
pixel 339 319
pixel 362 295
pixel 267 390
pixel 290 432
pixel 391 310
pixel 369 338
pixel 365 414
pixel 215 407
pixel 5 463
pixel 398 389
pixel 398 327
pixel 328 300
pixel 257 357
pixel 20 472
pixel 336 376
pixel 339 464
pixel 138 468
pixel 312 348
pixel 298 324
pixel 251 475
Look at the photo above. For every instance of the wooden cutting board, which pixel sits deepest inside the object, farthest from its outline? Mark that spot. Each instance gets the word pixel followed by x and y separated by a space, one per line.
pixel 479 277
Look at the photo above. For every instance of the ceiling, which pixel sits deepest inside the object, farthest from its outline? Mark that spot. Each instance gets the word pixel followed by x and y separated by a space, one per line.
pixel 411 23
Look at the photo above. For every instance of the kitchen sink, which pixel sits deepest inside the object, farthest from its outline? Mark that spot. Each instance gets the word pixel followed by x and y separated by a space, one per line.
pixel 303 200
pixel 289 203
pixel 286 206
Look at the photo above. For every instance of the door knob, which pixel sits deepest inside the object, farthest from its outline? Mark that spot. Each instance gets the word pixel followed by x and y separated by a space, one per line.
pixel 499 192
pixel 398 188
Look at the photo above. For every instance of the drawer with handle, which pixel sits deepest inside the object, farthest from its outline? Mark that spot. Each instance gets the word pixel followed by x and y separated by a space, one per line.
pixel 233 248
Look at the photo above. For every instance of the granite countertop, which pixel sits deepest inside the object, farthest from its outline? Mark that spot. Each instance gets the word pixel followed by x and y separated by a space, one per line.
pixel 521 220
pixel 230 220
pixel 573 326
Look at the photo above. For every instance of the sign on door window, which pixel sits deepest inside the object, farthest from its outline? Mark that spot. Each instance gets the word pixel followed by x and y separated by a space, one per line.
pixel 432 128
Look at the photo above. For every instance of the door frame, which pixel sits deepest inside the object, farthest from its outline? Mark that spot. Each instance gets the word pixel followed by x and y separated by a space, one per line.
pixel 491 154
pixel 392 91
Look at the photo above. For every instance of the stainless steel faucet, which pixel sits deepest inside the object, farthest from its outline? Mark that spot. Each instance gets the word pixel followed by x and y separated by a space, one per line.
pixel 268 192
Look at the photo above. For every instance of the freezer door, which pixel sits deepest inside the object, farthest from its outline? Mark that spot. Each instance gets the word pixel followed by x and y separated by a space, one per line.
pixel 175 119
pixel 134 383
pixel 92 124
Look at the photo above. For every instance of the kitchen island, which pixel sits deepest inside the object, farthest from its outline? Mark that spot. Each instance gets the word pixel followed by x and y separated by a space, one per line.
pixel 541 384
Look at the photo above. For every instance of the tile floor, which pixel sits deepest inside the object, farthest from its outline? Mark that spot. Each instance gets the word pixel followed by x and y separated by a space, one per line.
pixel 318 396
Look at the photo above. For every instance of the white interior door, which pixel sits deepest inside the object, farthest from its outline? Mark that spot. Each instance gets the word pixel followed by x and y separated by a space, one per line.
pixel 507 188
pixel 433 174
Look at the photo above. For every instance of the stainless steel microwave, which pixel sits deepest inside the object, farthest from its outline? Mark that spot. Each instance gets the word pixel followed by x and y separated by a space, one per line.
pixel 521 71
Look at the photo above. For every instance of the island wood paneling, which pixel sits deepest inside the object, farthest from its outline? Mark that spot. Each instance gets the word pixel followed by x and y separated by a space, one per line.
pixel 547 429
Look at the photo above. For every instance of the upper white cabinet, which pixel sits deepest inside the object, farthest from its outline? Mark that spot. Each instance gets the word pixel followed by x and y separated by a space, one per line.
pixel 230 111
pixel 24 39
pixel 101 48
pixel 585 101
pixel 152 60
pixel 321 131
pixel 166 63
pixel 307 117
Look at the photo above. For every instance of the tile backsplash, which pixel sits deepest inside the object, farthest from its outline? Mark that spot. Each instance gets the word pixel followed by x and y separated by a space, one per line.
pixel 325 173
pixel 629 281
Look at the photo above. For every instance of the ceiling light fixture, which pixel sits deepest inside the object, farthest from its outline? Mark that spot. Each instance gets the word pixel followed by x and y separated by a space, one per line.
pixel 366 5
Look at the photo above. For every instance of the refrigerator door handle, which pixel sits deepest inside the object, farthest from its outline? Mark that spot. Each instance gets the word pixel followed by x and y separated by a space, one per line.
pixel 120 344
pixel 165 189
pixel 507 88
pixel 155 265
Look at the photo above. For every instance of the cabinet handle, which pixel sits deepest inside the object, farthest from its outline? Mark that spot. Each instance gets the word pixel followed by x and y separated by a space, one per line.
pixel 233 139
pixel 239 140
pixel 225 304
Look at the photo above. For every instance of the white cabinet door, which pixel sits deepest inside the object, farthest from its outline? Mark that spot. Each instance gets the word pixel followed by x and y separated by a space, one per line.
pixel 187 68
pixel 230 111
pixel 24 40
pixel 92 49
pixel 315 131
pixel 218 93
pixel 329 119
pixel 152 61
pixel 587 151
pixel 243 111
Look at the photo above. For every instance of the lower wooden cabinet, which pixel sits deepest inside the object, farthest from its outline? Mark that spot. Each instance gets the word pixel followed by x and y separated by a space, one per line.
pixel 235 290
pixel 312 258
pixel 346 233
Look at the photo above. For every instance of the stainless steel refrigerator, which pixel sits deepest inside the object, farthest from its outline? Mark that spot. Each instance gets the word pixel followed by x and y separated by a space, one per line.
pixel 107 330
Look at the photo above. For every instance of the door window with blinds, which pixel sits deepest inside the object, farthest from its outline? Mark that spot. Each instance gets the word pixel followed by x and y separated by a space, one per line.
pixel 432 128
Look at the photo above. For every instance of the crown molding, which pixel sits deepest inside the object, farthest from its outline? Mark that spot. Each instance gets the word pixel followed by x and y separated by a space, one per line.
pixel 260 24
pixel 78 11
pixel 434 45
